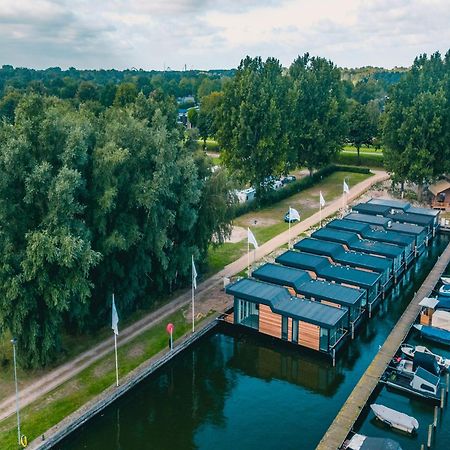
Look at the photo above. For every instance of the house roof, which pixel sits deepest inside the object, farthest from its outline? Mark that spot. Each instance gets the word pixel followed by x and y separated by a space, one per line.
pixel 416 219
pixel 366 218
pixel 324 290
pixel 391 237
pixel 318 247
pixel 407 228
pixel 439 187
pixel 324 269
pixel 348 225
pixel 335 235
pixel 392 203
pixel 372 209
pixel 365 261
pixel 280 302
pixel 377 247
pixel 282 275
pixel 423 211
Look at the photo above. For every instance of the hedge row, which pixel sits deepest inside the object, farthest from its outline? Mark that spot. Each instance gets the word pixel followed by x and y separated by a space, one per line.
pixel 372 160
pixel 294 188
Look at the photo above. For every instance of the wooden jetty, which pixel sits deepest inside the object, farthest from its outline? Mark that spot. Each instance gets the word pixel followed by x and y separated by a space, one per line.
pixel 347 416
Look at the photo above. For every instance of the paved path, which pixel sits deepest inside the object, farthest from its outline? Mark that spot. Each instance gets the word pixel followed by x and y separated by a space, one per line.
pixel 347 416
pixel 63 373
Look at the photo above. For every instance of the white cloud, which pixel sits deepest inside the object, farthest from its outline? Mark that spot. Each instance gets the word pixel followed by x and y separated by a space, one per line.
pixel 211 34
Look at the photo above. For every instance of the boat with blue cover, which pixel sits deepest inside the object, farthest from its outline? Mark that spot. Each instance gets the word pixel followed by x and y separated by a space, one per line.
pixel 434 334
pixel 444 290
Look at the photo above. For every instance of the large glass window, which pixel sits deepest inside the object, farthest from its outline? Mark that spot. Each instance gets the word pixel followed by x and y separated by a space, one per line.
pixel 295 331
pixel 284 327
pixel 246 313
pixel 324 339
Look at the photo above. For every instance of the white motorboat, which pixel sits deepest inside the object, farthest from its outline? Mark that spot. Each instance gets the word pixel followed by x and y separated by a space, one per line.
pixel 395 419
pixel 445 280
pixel 361 442
pixel 410 350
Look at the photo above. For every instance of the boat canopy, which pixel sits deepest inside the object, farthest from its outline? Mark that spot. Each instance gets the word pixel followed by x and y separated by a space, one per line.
pixel 441 319
pixel 429 302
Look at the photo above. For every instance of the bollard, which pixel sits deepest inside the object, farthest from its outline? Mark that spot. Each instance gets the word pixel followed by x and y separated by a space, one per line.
pixel 442 397
pixel 435 416
pixel 422 446
pixel 430 435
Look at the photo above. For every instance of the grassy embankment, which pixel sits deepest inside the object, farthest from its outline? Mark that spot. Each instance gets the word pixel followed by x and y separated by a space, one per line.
pixel 270 220
pixel 42 414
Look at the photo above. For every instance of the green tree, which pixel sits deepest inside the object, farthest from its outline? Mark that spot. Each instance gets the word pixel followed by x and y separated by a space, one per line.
pixel 192 116
pixel 126 93
pixel 252 131
pixel 417 122
pixel 45 245
pixel 317 124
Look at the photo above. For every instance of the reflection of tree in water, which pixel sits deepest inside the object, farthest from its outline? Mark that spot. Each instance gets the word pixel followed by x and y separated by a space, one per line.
pixel 255 356
pixel 164 411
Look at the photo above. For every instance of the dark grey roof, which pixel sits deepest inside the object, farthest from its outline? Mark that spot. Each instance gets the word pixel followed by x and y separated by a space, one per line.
pixel 302 260
pixel 366 218
pixel 282 275
pixel 396 204
pixel 335 235
pixel 352 240
pixel 365 261
pixel 333 292
pixel 375 443
pixel 280 302
pixel 423 211
pixel 407 228
pixel 348 225
pixel 427 376
pixel 416 219
pixel 391 237
pixel 324 269
pixel 340 255
pixel 317 247
pixel 257 291
pixel 372 209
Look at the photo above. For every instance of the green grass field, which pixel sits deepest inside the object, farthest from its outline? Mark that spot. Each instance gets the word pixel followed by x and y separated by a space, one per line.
pixel 67 398
pixel 211 145
pixel 364 149
pixel 270 220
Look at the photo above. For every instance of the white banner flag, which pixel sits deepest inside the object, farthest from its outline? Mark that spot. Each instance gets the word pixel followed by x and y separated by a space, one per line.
pixel 194 274
pixel 293 214
pixel 321 200
pixel 115 318
pixel 251 238
pixel 346 189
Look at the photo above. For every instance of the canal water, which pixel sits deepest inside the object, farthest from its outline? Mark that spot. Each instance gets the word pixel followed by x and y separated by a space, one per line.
pixel 234 390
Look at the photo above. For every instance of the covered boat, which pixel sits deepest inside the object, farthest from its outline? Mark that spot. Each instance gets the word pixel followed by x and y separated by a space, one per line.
pixel 444 303
pixel 445 280
pixel 434 334
pixel 410 350
pixel 361 442
pixel 445 290
pixel 395 419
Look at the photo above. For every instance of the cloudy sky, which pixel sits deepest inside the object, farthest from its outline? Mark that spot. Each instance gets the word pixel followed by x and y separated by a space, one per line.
pixel 205 34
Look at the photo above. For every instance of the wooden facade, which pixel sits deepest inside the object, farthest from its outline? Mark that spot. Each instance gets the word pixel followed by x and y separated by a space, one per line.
pixel 440 195
pixel 269 322
pixel 309 335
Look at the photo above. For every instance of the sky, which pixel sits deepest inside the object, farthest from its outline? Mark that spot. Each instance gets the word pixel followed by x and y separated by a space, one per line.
pixel 208 34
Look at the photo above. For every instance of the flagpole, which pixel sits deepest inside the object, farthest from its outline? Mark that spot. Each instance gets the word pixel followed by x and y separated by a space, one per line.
pixel 289 220
pixel 192 295
pixel 115 351
pixel 320 209
pixel 248 256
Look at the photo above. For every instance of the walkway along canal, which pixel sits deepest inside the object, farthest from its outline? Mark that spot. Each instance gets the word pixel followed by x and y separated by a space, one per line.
pixel 241 391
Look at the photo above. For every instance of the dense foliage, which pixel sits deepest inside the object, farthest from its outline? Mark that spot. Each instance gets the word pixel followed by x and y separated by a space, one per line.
pixel 94 204
pixel 417 122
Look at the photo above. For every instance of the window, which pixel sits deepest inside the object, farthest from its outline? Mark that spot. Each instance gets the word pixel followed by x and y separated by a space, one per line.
pixel 425 387
pixel 284 328
pixel 323 339
pixel 295 331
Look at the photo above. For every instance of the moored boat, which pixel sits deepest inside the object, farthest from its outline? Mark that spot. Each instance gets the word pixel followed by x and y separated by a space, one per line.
pixel 434 334
pixel 423 383
pixel 445 290
pixel 410 350
pixel 361 442
pixel 395 419
pixel 445 280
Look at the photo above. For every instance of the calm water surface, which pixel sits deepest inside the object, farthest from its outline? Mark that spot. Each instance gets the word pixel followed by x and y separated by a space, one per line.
pixel 239 391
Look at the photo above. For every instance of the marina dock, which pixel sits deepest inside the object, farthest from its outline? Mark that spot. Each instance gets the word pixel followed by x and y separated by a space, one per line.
pixel 350 411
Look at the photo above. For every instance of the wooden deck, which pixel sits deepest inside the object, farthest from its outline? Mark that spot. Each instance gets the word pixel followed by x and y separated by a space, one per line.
pixel 347 416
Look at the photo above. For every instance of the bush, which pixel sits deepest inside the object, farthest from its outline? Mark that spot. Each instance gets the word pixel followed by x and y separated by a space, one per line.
pixel 373 160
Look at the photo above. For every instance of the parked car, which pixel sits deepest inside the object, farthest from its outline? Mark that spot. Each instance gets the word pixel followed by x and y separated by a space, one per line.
pixel 288 219
pixel 288 179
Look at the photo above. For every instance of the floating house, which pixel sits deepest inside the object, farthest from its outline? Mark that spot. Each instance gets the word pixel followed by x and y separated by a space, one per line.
pixel 365 231
pixel 271 310
pixel 320 267
pixel 299 283
pixel 338 254
pixel 352 241
pixel 399 205
pixel 372 209
pixel 384 223
pixel 428 222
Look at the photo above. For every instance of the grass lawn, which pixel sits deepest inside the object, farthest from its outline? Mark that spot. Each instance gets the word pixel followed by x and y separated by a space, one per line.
pixel 270 220
pixel 211 145
pixel 370 149
pixel 44 413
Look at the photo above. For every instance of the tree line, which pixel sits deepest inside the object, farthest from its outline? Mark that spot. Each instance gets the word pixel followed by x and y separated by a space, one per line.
pixel 95 204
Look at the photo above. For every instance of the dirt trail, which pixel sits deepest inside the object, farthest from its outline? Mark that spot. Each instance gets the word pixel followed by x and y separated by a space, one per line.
pixel 210 288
